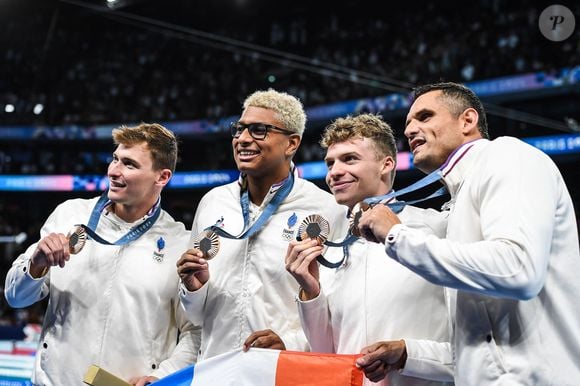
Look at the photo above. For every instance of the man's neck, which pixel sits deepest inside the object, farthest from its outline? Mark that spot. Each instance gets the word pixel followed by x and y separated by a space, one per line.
pixel 259 187
pixel 380 192
pixel 131 214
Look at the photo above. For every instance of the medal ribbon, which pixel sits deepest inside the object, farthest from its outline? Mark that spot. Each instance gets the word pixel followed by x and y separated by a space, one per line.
pixel 133 234
pixel 397 206
pixel 272 206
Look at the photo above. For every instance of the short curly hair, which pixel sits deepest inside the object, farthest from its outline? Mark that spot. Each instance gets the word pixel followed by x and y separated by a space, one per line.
pixel 288 108
pixel 370 126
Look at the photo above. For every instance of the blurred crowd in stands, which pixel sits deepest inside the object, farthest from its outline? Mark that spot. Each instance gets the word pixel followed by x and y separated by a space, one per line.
pixel 85 66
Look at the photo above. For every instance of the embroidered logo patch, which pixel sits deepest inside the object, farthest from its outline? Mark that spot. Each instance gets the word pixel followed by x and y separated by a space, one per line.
pixel 288 233
pixel 158 254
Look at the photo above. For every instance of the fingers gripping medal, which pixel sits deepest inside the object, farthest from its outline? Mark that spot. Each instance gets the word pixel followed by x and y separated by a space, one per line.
pixel 314 227
pixel 355 216
pixel 77 237
pixel 208 242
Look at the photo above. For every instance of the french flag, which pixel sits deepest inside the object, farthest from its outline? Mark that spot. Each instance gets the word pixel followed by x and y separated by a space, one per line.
pixel 264 367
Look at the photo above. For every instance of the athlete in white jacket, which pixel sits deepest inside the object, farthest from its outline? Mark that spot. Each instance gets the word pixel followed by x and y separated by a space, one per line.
pixel 115 306
pixel 370 304
pixel 511 248
pixel 244 297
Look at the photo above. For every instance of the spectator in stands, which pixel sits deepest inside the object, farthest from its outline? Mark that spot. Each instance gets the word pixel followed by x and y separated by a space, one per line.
pixel 244 297
pixel 510 256
pixel 113 304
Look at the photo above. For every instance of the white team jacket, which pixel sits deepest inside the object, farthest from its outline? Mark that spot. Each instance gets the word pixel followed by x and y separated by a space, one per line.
pixel 116 307
pixel 512 252
pixel 249 288
pixel 372 298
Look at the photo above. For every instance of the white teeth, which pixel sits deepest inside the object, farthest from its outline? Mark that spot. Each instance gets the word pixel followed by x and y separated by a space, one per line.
pixel 247 153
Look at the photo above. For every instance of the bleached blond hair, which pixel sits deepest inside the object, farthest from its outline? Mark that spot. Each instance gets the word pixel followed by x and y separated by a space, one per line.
pixel 288 108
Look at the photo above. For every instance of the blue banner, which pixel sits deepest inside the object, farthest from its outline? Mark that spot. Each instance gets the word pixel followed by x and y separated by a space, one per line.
pixel 181 377
pixel 551 145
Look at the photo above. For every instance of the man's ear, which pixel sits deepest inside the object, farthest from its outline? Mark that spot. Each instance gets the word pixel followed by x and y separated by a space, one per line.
pixel 470 119
pixel 388 167
pixel 293 144
pixel 163 177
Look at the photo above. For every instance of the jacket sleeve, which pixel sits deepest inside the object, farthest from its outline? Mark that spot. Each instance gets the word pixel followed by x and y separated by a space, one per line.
pixel 21 289
pixel 429 360
pixel 315 318
pixel 188 344
pixel 193 302
pixel 515 208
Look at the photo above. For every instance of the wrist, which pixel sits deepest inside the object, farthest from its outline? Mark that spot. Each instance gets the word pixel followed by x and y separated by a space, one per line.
pixel 306 295
pixel 191 287
pixel 37 271
pixel 403 359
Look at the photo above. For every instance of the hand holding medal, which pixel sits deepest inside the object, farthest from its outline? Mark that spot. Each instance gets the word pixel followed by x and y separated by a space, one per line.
pixel 208 242
pixel 55 249
pixel 314 227
pixel 355 215
pixel 302 255
pixel 77 237
pixel 374 222
pixel 192 267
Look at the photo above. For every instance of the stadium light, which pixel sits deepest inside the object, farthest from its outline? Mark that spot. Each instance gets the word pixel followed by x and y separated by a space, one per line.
pixel 18 239
pixel 9 108
pixel 572 124
pixel 118 4
pixel 38 108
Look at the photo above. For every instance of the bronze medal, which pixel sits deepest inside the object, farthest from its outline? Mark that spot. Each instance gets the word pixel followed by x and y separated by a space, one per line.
pixel 314 227
pixel 77 238
pixel 208 242
pixel 355 215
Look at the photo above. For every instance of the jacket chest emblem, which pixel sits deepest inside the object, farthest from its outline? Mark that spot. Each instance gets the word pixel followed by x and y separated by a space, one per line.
pixel 159 254
pixel 288 232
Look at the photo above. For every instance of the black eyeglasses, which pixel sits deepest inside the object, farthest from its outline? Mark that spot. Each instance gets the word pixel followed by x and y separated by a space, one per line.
pixel 257 130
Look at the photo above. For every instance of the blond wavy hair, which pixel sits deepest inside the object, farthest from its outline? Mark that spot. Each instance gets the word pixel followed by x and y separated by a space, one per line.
pixel 288 108
pixel 371 126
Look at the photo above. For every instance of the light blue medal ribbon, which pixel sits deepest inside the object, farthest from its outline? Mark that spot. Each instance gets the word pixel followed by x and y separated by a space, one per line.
pixel 272 206
pixel 133 234
pixel 395 206
pixel 432 177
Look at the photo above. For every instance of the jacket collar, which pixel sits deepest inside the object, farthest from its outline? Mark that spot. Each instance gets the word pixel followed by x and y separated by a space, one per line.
pixel 459 162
